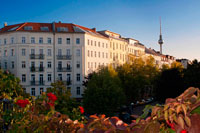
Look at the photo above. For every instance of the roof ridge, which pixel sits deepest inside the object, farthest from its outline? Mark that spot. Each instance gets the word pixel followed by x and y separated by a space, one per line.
pixel 21 26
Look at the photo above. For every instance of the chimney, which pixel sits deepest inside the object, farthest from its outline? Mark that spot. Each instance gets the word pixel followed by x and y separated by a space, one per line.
pixel 59 22
pixel 94 29
pixel 5 24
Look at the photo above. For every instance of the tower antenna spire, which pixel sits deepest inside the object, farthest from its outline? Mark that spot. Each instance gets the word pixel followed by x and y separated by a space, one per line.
pixel 160 41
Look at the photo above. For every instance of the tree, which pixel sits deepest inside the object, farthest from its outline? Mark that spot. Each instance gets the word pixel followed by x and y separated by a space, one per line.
pixel 104 94
pixel 138 78
pixel 65 103
pixel 192 75
pixel 10 85
pixel 170 84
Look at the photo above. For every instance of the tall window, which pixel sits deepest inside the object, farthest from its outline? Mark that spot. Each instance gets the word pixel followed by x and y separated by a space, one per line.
pixel 5 65
pixel 33 91
pixel 49 40
pixel 78 64
pixel 60 65
pixel 12 52
pixel 5 53
pixel 49 64
pixel 78 78
pixel 23 40
pixel 68 77
pixel 49 78
pixel 32 51
pixel 88 53
pixel 41 90
pixel 77 40
pixel 5 41
pixel 12 40
pixel 23 64
pixel 12 64
pixel 23 52
pixel 41 79
pixel 60 77
pixel 40 40
pixel 88 42
pixel 33 77
pixel 32 40
pixel 59 51
pixel 59 40
pixel 23 77
pixel 68 40
pixel 68 51
pixel 41 51
pixel 49 52
pixel 78 52
pixel 78 90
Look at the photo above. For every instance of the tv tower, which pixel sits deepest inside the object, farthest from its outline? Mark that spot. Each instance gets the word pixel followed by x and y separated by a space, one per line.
pixel 160 41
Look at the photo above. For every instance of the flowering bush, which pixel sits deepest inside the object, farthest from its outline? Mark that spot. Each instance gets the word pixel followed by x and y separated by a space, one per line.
pixel 22 103
pixel 81 109
pixel 38 116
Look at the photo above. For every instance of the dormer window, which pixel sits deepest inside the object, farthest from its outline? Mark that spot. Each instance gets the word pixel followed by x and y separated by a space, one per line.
pixel 62 29
pixel 44 28
pixel 28 27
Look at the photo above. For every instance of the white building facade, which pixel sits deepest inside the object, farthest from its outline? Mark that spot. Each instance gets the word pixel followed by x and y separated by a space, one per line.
pixel 42 53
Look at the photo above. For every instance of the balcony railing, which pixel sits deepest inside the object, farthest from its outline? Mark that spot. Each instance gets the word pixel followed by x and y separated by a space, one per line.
pixel 64 69
pixel 36 56
pixel 37 82
pixel 64 57
pixel 37 69
pixel 68 82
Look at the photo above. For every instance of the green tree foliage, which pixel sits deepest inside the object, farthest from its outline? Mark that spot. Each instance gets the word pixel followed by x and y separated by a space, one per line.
pixel 104 93
pixel 170 84
pixel 138 77
pixel 10 85
pixel 192 74
pixel 65 104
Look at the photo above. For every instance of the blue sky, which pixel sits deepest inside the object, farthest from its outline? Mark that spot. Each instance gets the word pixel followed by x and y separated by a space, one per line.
pixel 138 19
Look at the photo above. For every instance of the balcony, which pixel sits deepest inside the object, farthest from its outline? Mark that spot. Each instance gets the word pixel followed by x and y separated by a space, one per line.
pixel 37 82
pixel 64 69
pixel 64 57
pixel 37 69
pixel 36 56
pixel 68 82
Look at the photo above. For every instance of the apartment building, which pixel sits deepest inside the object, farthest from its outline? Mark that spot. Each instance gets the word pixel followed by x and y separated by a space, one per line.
pixel 42 53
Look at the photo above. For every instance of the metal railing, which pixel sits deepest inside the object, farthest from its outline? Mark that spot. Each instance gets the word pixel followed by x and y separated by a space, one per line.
pixel 36 56
pixel 64 69
pixel 64 57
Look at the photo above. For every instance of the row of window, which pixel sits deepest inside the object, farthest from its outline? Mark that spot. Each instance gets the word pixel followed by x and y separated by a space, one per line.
pixel 40 41
pixel 90 42
pixel 33 91
pixel 49 77
pixel 105 55
pixel 96 65
pixel 112 45
pixel 23 64
pixel 41 52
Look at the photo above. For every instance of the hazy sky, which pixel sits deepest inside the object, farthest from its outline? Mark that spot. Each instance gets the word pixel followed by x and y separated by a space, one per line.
pixel 138 19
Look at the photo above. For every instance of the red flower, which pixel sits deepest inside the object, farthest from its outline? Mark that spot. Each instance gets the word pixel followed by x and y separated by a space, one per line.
pixel 22 103
pixel 81 109
pixel 52 97
pixel 184 131
pixel 171 125
pixel 51 104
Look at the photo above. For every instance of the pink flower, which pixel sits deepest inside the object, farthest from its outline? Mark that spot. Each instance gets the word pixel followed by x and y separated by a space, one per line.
pixel 81 109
